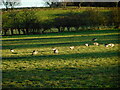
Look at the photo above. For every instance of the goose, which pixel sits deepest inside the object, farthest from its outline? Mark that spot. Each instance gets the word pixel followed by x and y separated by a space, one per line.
pixel 72 47
pixel 87 44
pixel 111 44
pixel 12 50
pixel 34 52
pixel 94 39
pixel 95 43
pixel 55 50
pixel 106 45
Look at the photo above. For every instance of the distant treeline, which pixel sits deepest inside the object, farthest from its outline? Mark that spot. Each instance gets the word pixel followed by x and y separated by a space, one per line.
pixel 74 4
pixel 26 21
pixel 84 4
pixel 94 4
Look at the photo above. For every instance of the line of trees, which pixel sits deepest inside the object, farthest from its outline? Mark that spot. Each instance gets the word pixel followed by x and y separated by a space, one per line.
pixel 26 22
pixel 10 3
pixel 82 4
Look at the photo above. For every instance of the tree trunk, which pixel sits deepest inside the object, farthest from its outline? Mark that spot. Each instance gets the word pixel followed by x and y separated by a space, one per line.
pixel 62 29
pixel 116 4
pixel 59 30
pixel 11 31
pixel 68 28
pixel 43 31
pixel 33 31
pixel 5 32
pixel 6 8
pixel 23 31
pixel 76 28
pixel 19 31
pixel 79 5
pixel 27 32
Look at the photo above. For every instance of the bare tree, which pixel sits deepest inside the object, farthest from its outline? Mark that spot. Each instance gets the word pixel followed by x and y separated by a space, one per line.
pixel 56 3
pixel 10 3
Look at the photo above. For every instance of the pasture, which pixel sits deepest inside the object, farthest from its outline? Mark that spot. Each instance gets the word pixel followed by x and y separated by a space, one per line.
pixel 82 67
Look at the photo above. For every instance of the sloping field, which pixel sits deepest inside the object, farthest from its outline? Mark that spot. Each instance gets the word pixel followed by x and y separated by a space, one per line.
pixel 82 67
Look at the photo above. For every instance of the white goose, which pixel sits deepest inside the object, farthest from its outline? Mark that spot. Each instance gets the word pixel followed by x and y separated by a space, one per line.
pixel 87 44
pixel 12 50
pixel 55 50
pixel 34 52
pixel 95 43
pixel 72 47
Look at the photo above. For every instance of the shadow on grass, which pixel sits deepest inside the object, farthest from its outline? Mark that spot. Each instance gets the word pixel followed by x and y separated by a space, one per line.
pixel 70 37
pixel 39 39
pixel 62 77
pixel 58 44
pixel 66 56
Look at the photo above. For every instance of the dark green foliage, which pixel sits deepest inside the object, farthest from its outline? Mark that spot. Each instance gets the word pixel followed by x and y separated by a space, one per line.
pixel 19 20
pixel 87 18
pixel 28 22
pixel 116 17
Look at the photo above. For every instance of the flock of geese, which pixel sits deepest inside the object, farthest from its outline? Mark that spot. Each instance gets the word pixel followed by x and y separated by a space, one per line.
pixel 71 47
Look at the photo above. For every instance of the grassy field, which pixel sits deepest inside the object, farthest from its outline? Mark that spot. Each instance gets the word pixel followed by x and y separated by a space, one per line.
pixel 82 67
pixel 49 14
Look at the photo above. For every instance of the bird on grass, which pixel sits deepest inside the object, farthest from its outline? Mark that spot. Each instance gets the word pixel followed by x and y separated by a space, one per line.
pixel 106 45
pixel 72 47
pixel 87 44
pixel 13 51
pixel 95 43
pixel 94 39
pixel 34 52
pixel 109 45
pixel 55 50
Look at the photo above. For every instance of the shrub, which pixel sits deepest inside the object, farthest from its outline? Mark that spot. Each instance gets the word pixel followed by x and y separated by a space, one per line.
pixel 24 21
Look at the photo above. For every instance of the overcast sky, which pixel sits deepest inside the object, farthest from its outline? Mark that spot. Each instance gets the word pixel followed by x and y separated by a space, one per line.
pixel 29 3
pixel 41 3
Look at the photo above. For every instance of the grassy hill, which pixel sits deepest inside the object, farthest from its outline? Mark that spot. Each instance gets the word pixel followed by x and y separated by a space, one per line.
pixel 48 13
pixel 82 67
pixel 45 20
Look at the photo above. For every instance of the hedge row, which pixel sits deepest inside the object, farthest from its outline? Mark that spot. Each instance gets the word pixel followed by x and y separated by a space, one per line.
pixel 26 22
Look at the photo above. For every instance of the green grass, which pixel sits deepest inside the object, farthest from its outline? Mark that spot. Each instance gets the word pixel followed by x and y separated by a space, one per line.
pixel 52 13
pixel 83 67
pixel 49 14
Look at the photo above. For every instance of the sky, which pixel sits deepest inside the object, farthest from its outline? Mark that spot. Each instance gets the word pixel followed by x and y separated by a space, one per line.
pixel 32 3
pixel 41 3
pixel 29 3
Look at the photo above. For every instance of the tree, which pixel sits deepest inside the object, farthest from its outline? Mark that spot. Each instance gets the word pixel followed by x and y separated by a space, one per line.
pixel 27 20
pixel 24 21
pixel 115 17
pixel 10 3
pixel 79 4
pixel 52 4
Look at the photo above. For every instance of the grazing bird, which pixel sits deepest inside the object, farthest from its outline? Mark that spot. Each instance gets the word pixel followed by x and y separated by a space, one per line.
pixel 12 50
pixel 34 52
pixel 109 45
pixel 87 44
pixel 106 45
pixel 95 43
pixel 94 39
pixel 55 50
pixel 72 47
